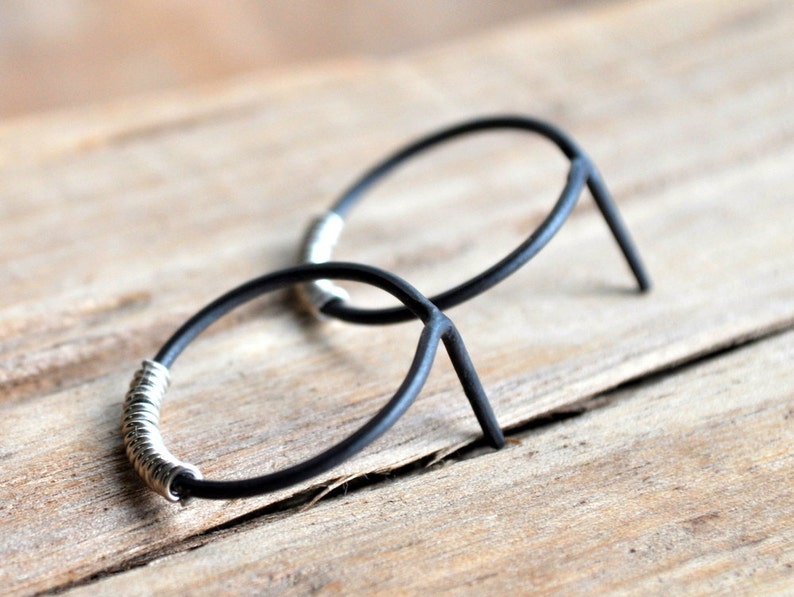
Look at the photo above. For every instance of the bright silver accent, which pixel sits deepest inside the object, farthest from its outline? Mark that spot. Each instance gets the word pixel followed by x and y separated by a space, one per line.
pixel 140 428
pixel 317 247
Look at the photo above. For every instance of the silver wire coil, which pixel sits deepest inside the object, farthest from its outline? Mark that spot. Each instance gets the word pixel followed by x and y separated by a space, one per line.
pixel 317 247
pixel 140 428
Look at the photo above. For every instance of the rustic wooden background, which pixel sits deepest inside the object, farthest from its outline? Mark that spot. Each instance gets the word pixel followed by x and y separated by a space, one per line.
pixel 74 52
pixel 651 436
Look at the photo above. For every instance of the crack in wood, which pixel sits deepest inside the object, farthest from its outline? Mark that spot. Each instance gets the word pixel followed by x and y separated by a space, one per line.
pixel 341 486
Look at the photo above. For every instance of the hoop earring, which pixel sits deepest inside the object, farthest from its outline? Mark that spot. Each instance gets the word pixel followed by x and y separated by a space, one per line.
pixel 326 298
pixel 176 480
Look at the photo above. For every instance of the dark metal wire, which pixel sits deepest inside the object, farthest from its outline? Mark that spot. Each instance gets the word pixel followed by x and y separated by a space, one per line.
pixel 437 327
pixel 175 479
pixel 582 173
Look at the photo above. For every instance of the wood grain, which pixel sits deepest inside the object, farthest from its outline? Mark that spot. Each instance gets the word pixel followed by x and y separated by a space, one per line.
pixel 116 229
pixel 678 486
pixel 82 52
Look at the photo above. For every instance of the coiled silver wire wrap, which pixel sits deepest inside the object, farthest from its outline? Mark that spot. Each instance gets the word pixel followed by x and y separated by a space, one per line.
pixel 317 247
pixel 140 428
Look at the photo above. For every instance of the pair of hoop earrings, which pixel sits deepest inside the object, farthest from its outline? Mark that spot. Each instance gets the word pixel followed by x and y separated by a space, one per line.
pixel 177 480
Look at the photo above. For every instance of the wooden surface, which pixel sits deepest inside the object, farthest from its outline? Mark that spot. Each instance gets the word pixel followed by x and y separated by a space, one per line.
pixel 584 506
pixel 80 52
pixel 118 223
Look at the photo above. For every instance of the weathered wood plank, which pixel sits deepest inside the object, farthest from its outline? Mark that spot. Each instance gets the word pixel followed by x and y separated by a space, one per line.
pixel 679 486
pixel 86 54
pixel 58 135
pixel 108 245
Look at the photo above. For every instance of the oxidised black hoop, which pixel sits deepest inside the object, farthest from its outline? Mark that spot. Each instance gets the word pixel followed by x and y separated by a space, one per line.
pixel 175 480
pixel 318 244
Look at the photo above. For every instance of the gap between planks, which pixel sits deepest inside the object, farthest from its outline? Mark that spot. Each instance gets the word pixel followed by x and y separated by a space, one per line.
pixel 671 519
pixel 348 485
